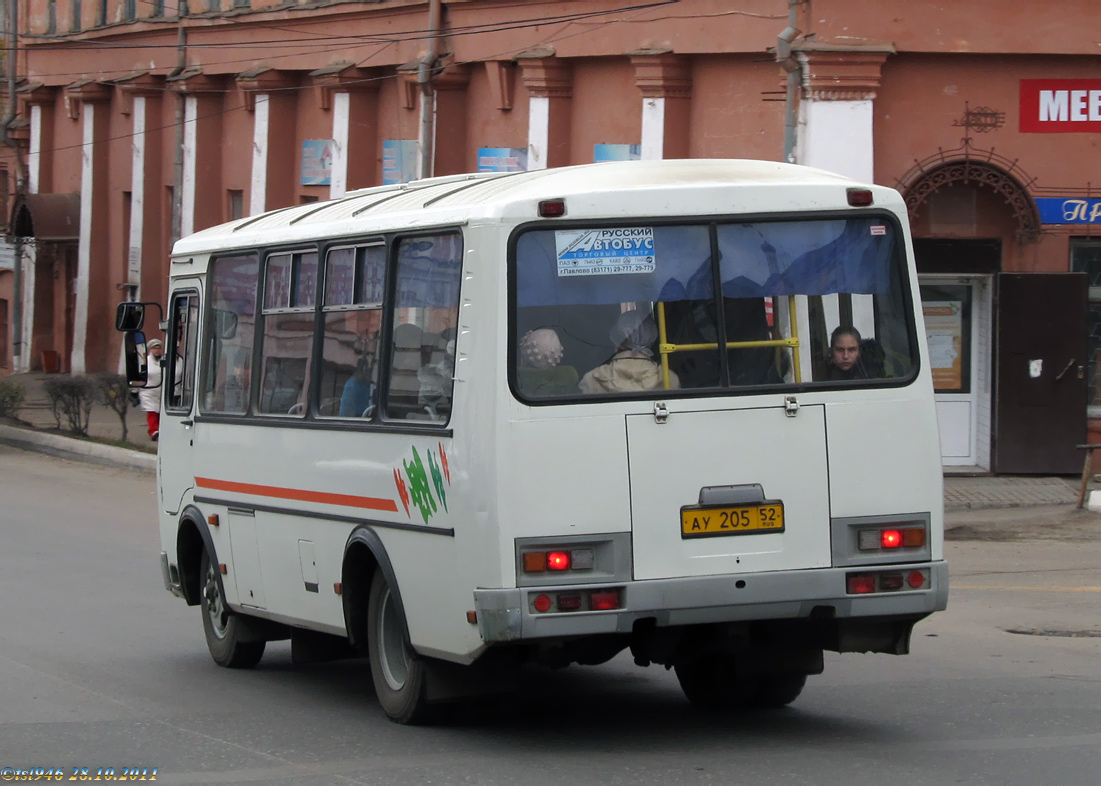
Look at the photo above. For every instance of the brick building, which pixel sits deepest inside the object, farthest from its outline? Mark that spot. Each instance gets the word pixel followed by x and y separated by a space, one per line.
pixel 141 123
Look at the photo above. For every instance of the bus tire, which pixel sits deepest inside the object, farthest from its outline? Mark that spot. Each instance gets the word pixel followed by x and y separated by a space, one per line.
pixel 400 677
pixel 713 682
pixel 222 626
pixel 778 690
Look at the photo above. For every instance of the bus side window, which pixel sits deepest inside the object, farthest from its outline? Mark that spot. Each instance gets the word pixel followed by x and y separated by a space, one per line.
pixel 422 353
pixel 180 360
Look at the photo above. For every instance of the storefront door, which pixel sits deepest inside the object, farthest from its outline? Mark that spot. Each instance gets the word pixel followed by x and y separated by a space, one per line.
pixel 958 329
pixel 1042 364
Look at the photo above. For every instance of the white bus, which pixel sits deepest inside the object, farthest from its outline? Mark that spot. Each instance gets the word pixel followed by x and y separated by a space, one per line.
pixel 466 423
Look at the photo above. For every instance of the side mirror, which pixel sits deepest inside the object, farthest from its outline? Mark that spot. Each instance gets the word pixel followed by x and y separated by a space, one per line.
pixel 129 316
pixel 134 350
pixel 225 324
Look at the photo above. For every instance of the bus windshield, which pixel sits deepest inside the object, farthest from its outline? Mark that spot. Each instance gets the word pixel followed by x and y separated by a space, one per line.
pixel 653 309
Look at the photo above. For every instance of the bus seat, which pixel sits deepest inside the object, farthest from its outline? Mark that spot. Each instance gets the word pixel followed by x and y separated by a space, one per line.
pixel 406 361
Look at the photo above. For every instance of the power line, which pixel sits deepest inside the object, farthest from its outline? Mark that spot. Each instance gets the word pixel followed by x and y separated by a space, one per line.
pixel 401 36
pixel 365 80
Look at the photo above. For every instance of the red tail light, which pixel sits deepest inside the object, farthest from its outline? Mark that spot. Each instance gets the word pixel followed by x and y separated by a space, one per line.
pixel 890 539
pixel 558 560
pixel 859 197
pixel 604 601
pixel 861 584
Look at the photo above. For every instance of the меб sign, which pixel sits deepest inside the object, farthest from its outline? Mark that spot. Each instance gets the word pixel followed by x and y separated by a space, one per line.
pixel 1060 106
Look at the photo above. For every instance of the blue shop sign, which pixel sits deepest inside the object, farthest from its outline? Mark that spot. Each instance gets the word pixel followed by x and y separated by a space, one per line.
pixel 1069 210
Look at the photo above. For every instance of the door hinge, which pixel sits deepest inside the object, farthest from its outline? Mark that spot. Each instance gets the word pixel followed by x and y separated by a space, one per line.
pixel 791 406
pixel 661 412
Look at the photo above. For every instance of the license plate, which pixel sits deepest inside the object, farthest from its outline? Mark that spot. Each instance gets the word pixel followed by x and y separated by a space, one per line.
pixel 696 522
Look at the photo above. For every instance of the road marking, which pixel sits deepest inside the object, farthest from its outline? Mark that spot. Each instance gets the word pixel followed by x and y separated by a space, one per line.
pixel 1024 589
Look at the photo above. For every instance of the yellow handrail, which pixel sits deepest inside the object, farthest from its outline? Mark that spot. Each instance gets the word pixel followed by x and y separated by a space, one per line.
pixel 794 332
pixel 665 349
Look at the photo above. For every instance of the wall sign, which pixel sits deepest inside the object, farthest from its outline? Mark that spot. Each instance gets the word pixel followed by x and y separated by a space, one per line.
pixel 317 162
pixel 616 153
pixel 399 161
pixel 1060 106
pixel 502 159
pixel 1069 210
pixel 944 332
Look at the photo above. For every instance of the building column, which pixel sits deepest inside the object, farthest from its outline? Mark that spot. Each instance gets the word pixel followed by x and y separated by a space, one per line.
pixel 200 153
pixel 835 115
pixel 351 94
pixel 665 80
pixel 91 102
pixel 549 81
pixel 836 133
pixel 40 102
pixel 449 93
pixel 143 247
pixel 270 96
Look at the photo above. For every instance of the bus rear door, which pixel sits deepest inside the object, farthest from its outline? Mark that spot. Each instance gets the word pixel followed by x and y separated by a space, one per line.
pixel 729 491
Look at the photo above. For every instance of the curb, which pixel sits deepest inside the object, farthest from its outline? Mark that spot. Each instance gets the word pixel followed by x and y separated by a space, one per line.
pixel 69 448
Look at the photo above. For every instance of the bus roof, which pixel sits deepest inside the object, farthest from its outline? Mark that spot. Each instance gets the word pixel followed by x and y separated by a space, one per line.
pixel 589 190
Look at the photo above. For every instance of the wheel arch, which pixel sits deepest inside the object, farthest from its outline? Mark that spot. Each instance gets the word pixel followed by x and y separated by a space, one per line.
pixel 364 554
pixel 192 538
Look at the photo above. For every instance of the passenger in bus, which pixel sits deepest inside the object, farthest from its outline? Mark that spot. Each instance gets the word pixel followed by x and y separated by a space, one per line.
pixel 852 357
pixel 541 372
pixel 357 398
pixel 632 368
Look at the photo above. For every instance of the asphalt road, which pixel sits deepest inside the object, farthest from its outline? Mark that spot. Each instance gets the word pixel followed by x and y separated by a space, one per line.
pixel 100 667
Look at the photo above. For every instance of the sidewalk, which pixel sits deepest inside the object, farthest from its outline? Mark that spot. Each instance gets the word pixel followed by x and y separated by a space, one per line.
pixel 103 424
pixel 960 493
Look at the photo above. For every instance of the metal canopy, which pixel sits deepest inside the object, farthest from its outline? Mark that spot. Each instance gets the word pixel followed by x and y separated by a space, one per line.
pixel 50 217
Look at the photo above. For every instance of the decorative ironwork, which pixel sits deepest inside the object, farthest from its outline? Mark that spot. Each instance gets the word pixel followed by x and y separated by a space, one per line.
pixel 982 120
pixel 983 168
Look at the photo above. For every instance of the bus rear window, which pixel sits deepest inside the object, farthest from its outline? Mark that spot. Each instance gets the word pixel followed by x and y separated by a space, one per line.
pixel 645 310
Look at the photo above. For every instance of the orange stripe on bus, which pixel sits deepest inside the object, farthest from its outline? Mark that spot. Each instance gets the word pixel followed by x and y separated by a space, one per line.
pixel 301 495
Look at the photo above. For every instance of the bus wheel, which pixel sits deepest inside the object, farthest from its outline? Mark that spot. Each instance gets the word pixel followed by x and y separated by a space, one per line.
pixel 399 676
pixel 221 626
pixel 712 681
pixel 779 690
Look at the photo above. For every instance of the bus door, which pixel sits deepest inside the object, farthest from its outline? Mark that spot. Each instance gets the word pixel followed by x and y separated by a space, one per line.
pixel 174 456
pixel 728 490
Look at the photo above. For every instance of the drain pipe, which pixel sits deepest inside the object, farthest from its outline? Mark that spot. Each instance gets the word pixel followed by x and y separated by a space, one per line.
pixel 788 62
pixel 181 117
pixel 426 138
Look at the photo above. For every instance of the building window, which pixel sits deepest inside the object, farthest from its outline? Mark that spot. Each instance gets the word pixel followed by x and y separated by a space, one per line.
pixel 5 185
pixel 241 4
pixel 74 21
pixel 101 13
pixel 158 8
pixel 214 5
pixel 3 333
pixel 1085 257
pixel 236 204
pixel 129 10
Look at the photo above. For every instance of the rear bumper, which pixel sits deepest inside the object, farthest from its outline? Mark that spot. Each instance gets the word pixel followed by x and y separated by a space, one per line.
pixel 507 614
